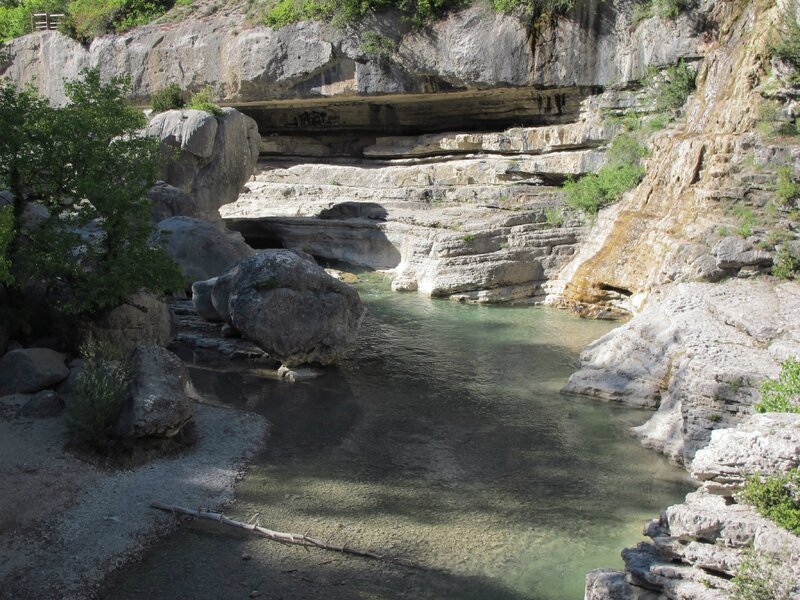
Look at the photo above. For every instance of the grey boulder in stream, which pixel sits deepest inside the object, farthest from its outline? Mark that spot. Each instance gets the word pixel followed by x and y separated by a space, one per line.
pixel 288 305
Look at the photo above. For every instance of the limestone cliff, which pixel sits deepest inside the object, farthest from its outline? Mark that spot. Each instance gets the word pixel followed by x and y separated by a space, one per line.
pixel 665 230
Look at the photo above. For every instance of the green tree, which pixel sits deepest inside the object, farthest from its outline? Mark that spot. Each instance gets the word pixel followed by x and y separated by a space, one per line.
pixel 88 163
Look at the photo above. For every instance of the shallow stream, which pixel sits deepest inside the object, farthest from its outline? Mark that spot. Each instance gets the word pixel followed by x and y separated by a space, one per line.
pixel 442 439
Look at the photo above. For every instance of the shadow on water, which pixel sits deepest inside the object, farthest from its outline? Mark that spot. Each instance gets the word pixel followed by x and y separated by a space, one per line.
pixel 442 438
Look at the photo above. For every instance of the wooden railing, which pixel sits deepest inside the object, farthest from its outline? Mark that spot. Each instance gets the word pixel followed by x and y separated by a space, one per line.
pixel 46 21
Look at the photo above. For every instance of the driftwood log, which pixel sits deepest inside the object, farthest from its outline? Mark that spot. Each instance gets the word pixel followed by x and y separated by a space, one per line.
pixel 298 539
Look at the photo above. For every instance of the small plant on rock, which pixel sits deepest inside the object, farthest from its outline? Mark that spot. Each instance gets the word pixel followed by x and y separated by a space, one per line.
pixel 621 173
pixel 168 98
pixel 782 394
pixel 378 48
pixel 670 87
pixel 786 43
pixel 204 100
pixel 97 400
pixel 787 264
pixel 775 497
pixel 760 578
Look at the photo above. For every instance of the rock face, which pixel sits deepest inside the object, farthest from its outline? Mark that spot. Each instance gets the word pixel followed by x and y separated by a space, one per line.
pixel 201 249
pixel 699 545
pixel 216 155
pixel 157 404
pixel 766 443
pixel 144 319
pixel 290 307
pixel 474 49
pixel 697 353
pixel 168 201
pixel 674 223
pixel 31 370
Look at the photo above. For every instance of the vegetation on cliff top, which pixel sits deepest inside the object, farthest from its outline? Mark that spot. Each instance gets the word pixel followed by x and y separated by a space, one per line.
pixel 85 19
pixel 79 175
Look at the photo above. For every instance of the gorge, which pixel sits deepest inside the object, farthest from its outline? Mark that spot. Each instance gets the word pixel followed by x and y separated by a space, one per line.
pixel 444 154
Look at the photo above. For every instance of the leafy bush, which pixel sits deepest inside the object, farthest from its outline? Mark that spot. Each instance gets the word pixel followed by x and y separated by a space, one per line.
pixel 786 43
pixel 168 98
pixel 783 394
pixel 670 87
pixel 621 173
pixel 15 15
pixel 204 100
pixel 666 9
pixel 377 47
pixel 759 577
pixel 6 236
pixel 86 19
pixel 342 12
pixel 787 264
pixel 786 187
pixel 99 394
pixel 775 498
pixel 88 163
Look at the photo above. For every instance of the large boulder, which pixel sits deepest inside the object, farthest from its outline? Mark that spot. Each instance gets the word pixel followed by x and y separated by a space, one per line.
pixel 201 249
pixel 143 319
pixel 215 155
pixel 157 404
pixel 290 307
pixel 31 370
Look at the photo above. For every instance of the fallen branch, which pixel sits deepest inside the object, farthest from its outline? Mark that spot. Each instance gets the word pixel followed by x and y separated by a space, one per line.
pixel 298 539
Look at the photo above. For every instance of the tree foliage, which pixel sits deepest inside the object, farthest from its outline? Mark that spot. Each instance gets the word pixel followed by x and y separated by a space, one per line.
pixel 86 19
pixel 341 12
pixel 782 394
pixel 89 165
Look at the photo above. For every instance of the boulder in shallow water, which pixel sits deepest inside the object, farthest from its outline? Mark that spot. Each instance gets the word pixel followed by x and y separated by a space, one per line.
pixel 290 307
pixel 31 370
pixel 157 404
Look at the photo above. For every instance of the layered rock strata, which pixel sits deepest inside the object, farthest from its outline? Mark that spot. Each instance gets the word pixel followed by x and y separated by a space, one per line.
pixel 697 354
pixel 697 547
pixel 598 44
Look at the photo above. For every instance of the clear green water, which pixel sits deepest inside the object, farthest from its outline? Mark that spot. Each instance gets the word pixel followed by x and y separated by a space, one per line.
pixel 442 439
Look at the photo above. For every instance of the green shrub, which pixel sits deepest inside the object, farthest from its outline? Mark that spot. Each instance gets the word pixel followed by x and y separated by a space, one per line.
pixel 774 498
pixel 204 100
pixel 786 40
pixel 747 219
pixel 417 12
pixel 666 9
pixel 6 236
pixel 96 403
pixel 554 216
pixel 168 98
pixel 670 87
pixel 787 264
pixel 15 15
pixel 759 577
pixel 91 254
pixel 786 187
pixel 622 172
pixel 86 19
pixel 783 394
pixel 468 237
pixel 377 47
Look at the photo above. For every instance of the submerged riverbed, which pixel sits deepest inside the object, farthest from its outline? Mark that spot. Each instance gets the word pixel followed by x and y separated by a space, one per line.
pixel 442 439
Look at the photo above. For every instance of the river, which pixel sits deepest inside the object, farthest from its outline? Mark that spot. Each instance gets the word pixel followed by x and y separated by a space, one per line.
pixel 442 439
